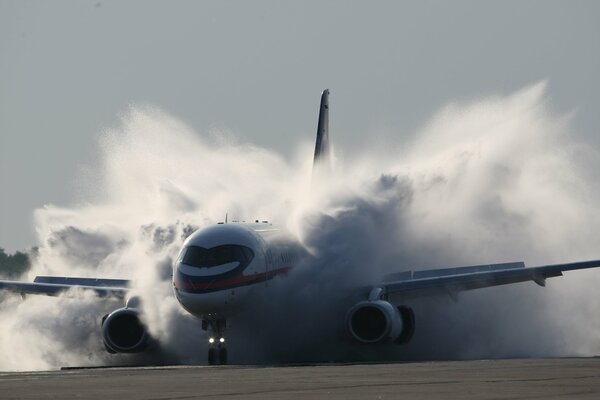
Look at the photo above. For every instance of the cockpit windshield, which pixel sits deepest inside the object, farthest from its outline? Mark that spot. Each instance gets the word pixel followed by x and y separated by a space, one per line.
pixel 201 257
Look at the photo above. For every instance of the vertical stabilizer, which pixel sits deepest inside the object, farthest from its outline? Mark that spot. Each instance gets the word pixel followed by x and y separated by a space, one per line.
pixel 322 150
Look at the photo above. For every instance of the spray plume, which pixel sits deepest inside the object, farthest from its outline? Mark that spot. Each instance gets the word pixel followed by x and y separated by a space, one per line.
pixel 499 179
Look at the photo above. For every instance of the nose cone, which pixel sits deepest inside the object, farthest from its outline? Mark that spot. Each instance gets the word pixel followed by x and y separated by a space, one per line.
pixel 208 303
pixel 216 266
pixel 217 259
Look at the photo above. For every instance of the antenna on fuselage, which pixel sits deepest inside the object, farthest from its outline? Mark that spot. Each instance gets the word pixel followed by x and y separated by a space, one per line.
pixel 226 217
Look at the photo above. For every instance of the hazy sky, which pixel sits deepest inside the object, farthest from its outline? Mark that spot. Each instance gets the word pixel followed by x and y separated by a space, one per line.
pixel 69 69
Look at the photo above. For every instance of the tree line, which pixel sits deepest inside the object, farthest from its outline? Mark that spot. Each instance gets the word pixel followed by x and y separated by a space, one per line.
pixel 14 265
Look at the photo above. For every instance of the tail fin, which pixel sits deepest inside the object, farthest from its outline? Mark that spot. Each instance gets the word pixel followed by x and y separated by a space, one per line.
pixel 322 150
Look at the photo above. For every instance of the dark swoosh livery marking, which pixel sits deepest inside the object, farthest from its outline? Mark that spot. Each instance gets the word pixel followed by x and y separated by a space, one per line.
pixel 196 285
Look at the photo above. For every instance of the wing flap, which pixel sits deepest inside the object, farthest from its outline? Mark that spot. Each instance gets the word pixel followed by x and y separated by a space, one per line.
pixel 432 273
pixel 67 280
pixel 469 278
pixel 55 289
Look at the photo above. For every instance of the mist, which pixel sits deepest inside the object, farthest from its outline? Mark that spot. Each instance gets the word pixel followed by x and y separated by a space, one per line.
pixel 484 181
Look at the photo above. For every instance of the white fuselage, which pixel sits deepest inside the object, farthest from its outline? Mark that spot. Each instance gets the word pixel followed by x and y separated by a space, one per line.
pixel 221 267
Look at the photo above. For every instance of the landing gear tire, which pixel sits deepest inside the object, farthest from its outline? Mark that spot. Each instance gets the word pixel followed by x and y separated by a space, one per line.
pixel 223 356
pixel 212 356
pixel 217 352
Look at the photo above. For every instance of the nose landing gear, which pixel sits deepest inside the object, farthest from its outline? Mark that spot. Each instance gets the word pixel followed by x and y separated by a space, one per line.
pixel 217 350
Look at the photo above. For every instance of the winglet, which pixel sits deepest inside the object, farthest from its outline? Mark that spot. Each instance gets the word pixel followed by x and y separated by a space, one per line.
pixel 322 150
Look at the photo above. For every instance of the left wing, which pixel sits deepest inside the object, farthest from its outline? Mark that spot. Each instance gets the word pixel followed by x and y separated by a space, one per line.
pixel 452 280
pixel 55 285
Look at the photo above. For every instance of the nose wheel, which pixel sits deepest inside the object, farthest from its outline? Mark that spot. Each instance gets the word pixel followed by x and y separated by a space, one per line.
pixel 217 356
pixel 217 350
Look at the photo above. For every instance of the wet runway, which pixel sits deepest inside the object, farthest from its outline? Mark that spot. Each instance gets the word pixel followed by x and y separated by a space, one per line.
pixel 486 379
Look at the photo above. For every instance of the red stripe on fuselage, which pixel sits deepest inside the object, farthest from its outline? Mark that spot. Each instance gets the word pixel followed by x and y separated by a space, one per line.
pixel 239 280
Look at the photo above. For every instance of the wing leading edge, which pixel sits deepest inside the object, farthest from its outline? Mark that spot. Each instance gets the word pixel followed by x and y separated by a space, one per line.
pixel 452 280
pixel 56 285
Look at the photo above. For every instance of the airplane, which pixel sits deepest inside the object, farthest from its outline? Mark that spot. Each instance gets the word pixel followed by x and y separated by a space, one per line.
pixel 222 267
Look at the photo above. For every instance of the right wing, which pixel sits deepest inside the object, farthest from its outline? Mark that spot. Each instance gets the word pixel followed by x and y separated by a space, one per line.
pixel 55 285
pixel 453 280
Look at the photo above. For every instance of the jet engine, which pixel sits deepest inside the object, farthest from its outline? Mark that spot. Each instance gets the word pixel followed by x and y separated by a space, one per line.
pixel 123 332
pixel 379 321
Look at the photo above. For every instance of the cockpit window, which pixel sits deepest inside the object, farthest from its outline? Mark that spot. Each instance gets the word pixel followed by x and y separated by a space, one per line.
pixel 200 257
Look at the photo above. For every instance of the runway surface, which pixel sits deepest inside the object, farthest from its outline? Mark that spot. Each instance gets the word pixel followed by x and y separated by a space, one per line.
pixel 487 379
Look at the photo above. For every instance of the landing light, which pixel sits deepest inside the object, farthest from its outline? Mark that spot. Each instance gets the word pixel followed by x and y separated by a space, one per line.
pixel 211 340
pixel 222 340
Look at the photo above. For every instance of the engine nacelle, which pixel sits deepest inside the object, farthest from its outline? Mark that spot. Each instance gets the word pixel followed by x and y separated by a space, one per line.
pixel 123 332
pixel 379 321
